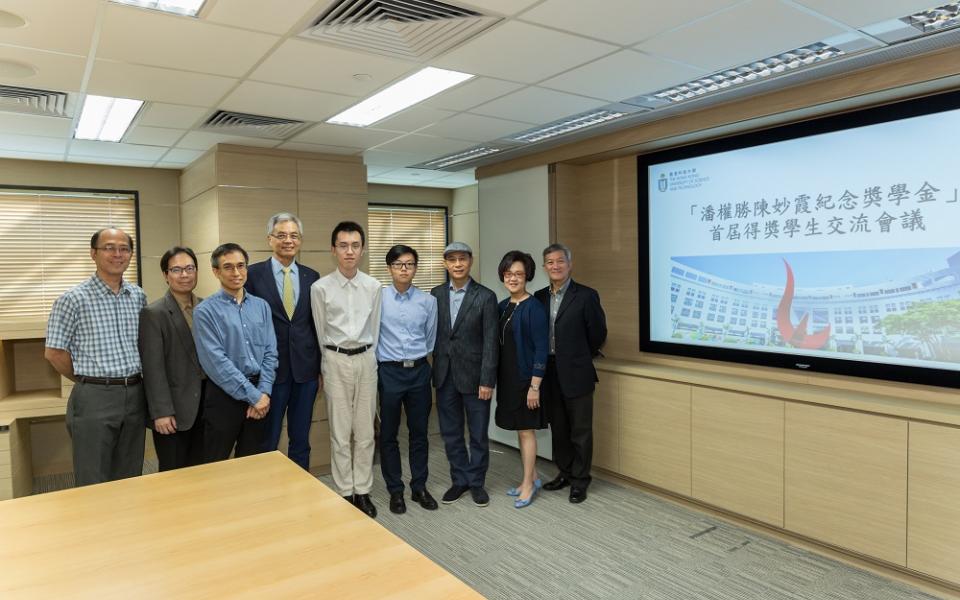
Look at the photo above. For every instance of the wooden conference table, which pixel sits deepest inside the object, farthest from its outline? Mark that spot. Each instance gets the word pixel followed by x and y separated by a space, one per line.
pixel 255 527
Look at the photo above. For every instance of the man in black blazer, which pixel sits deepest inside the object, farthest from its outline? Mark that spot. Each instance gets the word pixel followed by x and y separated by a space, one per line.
pixel 465 372
pixel 285 285
pixel 172 377
pixel 578 329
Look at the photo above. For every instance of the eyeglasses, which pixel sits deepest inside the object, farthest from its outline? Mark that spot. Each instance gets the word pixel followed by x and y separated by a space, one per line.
pixel 293 237
pixel 400 266
pixel 230 267
pixel 514 275
pixel 189 270
pixel 111 249
pixel 343 246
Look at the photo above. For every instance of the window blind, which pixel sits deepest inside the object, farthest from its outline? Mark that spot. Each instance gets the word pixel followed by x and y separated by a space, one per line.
pixel 423 229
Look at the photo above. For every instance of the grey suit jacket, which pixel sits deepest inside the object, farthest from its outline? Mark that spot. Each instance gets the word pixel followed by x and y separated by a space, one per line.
pixel 467 350
pixel 172 376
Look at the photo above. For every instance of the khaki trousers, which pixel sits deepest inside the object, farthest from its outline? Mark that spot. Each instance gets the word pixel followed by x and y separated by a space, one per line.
pixel 350 387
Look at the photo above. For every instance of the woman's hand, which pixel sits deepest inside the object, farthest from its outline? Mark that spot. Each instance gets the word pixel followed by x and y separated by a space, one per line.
pixel 533 398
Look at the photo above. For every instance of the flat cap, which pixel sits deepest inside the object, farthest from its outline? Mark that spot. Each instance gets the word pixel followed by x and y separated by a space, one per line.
pixel 457 247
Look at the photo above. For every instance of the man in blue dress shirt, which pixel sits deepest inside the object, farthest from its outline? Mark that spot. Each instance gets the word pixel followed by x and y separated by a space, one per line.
pixel 408 330
pixel 237 349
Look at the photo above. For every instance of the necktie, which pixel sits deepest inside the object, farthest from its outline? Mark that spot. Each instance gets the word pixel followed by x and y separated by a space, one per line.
pixel 288 303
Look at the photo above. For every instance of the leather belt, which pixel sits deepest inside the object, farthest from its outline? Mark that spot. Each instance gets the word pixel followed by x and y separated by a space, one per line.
pixel 406 364
pixel 348 351
pixel 131 380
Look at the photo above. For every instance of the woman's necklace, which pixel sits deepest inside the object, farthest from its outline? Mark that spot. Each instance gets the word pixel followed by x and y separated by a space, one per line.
pixel 515 305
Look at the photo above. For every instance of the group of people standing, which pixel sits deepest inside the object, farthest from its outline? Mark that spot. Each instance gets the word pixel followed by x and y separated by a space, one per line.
pixel 219 376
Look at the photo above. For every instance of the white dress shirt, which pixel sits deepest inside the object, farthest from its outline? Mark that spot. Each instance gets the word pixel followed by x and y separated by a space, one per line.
pixel 346 311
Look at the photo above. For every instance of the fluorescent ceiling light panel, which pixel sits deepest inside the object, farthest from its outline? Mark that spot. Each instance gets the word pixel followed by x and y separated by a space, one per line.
pixel 935 19
pixel 106 119
pixel 403 94
pixel 186 8
pixel 460 157
pixel 567 125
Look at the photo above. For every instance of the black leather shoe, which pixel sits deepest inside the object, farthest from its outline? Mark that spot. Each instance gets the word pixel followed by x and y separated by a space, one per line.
pixel 557 483
pixel 362 501
pixel 397 505
pixel 453 494
pixel 577 494
pixel 349 498
pixel 480 496
pixel 424 499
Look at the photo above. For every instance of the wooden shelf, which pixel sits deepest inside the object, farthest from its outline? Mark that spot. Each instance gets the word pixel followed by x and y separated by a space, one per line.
pixel 27 330
pixel 33 405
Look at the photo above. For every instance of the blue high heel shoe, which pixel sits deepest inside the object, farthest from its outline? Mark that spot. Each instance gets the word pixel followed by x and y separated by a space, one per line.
pixel 537 483
pixel 521 503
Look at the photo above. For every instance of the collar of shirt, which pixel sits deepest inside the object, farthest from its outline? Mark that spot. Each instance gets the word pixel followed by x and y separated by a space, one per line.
pixel 397 295
pixel 103 288
pixel 342 279
pixel 278 267
pixel 223 296
pixel 463 289
pixel 192 302
pixel 563 288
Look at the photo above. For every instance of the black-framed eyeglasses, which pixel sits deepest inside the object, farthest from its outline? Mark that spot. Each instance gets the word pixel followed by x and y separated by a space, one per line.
pixel 293 237
pixel 111 249
pixel 189 270
pixel 400 266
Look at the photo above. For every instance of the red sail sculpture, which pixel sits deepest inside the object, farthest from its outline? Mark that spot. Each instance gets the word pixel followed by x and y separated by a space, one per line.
pixel 797 336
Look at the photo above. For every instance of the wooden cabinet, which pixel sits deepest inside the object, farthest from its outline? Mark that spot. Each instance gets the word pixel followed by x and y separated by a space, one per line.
pixel 655 447
pixel 606 423
pixel 933 534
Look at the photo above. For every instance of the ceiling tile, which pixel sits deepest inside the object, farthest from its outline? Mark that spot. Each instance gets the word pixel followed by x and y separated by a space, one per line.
pixel 318 148
pixel 426 146
pixel 372 171
pixel 203 140
pixel 57 127
pixel 623 75
pixel 151 37
pixel 287 102
pixel 54 72
pixel 474 92
pixel 537 105
pixel 6 153
pixel 341 135
pixel 474 127
pixel 413 118
pixel 151 83
pixel 457 179
pixel 860 13
pixel 179 155
pixel 272 17
pixel 57 26
pixel 622 22
pixel 405 175
pixel 115 162
pixel 26 143
pixel 153 136
pixel 308 64
pixel 383 158
pixel 503 7
pixel 518 52
pixel 750 31
pixel 158 114
pixel 115 150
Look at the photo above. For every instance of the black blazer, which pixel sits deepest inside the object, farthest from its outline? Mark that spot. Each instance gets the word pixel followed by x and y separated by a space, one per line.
pixel 297 347
pixel 579 332
pixel 171 371
pixel 466 350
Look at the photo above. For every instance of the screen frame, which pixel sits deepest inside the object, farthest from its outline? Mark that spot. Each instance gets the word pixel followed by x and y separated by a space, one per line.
pixel 904 109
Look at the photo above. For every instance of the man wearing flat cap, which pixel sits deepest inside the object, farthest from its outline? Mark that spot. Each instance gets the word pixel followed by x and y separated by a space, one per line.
pixel 465 372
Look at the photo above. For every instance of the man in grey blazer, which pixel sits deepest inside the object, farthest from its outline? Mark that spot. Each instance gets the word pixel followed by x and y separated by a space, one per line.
pixel 465 372
pixel 172 377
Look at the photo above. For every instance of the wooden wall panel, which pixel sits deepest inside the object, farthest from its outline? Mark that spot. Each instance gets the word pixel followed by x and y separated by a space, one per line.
pixel 655 443
pixel 606 423
pixel 200 222
pixel 6 368
pixel 737 442
pixel 244 213
pixel 332 177
pixel 321 262
pixel 846 479
pixel 256 170
pixel 31 370
pixel 198 177
pixel 207 283
pixel 933 535
pixel 321 211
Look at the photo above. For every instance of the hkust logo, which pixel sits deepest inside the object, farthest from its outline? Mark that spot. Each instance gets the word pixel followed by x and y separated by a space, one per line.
pixel 662 182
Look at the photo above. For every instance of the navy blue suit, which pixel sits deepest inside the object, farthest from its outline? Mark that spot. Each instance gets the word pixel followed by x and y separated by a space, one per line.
pixel 298 370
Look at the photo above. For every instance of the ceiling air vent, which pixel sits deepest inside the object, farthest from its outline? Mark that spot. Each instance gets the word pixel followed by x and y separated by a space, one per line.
pixel 34 102
pixel 236 123
pixel 411 29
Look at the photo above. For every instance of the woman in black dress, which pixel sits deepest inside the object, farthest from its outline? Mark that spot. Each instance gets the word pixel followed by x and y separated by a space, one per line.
pixel 524 340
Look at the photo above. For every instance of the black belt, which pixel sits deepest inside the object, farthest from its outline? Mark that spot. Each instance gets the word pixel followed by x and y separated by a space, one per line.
pixel 131 380
pixel 406 364
pixel 348 351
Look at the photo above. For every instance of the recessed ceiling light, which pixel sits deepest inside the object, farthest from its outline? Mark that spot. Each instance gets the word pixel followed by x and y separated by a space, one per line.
pixel 567 125
pixel 362 76
pixel 106 119
pixel 187 8
pixel 460 157
pixel 403 94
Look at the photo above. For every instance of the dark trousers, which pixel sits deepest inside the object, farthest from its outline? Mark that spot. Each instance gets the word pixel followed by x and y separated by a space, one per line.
pixel 182 448
pixel 571 429
pixel 409 390
pixel 226 427
pixel 105 423
pixel 296 400
pixel 465 469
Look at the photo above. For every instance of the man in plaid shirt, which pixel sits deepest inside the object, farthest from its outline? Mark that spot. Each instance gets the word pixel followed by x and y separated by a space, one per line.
pixel 92 340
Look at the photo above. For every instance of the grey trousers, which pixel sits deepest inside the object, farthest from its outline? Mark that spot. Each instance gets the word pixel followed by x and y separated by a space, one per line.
pixel 107 424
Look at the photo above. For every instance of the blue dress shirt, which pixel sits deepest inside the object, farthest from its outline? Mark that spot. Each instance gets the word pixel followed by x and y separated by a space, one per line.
pixel 236 341
pixel 277 267
pixel 408 324
pixel 456 299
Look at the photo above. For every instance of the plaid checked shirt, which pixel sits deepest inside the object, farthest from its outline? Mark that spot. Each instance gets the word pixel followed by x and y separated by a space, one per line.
pixel 98 328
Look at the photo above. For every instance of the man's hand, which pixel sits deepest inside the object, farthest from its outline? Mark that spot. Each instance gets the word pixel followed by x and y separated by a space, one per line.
pixel 485 392
pixel 253 413
pixel 165 425
pixel 262 406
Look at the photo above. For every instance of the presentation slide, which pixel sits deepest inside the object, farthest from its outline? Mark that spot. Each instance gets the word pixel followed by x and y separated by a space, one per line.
pixel 842 245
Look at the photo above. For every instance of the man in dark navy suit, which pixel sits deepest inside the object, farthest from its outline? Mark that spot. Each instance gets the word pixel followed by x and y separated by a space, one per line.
pixel 285 285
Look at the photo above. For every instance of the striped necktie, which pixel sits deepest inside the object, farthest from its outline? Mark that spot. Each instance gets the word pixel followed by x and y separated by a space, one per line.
pixel 288 302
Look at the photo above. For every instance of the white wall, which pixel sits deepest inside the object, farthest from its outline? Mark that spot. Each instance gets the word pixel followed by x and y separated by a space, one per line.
pixel 464 221
pixel 514 214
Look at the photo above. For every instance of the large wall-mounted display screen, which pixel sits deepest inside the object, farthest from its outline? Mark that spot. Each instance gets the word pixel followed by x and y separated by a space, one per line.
pixel 831 245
